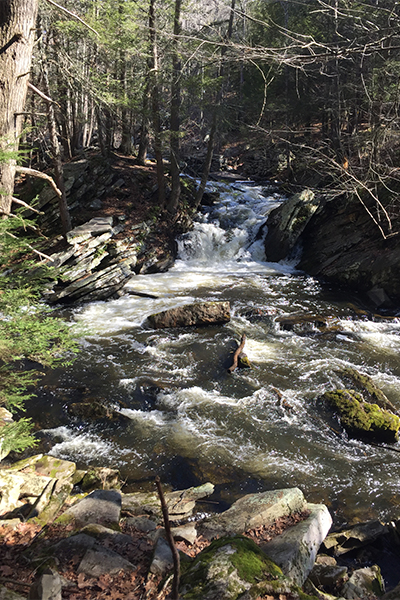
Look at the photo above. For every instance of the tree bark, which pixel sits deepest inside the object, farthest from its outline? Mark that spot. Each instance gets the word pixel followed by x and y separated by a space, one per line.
pixel 17 35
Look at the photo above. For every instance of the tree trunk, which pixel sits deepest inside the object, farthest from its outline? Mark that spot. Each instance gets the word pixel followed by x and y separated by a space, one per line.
pixel 175 109
pixel 57 162
pixel 17 34
pixel 155 107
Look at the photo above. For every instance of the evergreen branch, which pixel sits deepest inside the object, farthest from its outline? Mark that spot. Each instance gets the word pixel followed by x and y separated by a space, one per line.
pixel 26 205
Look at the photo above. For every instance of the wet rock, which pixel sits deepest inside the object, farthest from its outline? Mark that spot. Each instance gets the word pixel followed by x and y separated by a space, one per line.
pixel 355 537
pixel 254 510
pixel 287 222
pixel 363 583
pixel 225 570
pixel 367 387
pixel 101 506
pixel 205 313
pixel 392 595
pixel 305 324
pixel 362 419
pixel 295 550
pixel 94 410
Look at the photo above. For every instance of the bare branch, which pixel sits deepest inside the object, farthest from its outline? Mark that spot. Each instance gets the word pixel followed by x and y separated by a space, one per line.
pixel 45 256
pixel 39 175
pixel 71 14
pixel 41 94
pixel 22 203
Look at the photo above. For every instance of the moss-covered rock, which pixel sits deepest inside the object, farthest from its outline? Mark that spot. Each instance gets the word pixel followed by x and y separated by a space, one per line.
pixel 368 388
pixel 362 419
pixel 226 569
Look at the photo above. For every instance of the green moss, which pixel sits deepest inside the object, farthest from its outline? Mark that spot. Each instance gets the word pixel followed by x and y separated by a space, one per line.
pixel 246 563
pixel 363 419
pixel 368 388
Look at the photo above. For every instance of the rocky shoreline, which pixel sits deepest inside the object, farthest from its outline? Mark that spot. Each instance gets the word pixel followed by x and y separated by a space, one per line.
pixel 77 544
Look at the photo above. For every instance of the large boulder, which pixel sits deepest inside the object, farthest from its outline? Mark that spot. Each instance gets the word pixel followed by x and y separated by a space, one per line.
pixel 226 569
pixel 287 222
pixel 362 419
pixel 295 550
pixel 343 245
pixel 204 313
pixel 254 510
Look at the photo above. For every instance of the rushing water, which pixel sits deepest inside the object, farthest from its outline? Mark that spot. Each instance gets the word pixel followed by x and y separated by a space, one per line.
pixel 183 416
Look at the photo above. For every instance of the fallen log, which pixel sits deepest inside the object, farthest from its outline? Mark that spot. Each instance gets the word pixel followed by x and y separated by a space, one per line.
pixel 237 354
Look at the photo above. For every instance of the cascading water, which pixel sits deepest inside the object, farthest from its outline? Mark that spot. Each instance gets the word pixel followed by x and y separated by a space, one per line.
pixel 185 418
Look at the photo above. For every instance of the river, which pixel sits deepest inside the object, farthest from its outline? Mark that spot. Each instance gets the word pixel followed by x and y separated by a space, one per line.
pixel 184 417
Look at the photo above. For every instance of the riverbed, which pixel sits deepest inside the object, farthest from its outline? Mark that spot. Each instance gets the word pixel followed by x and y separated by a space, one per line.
pixel 185 418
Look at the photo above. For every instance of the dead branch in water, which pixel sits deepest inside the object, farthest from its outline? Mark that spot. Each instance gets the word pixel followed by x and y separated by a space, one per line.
pixel 237 353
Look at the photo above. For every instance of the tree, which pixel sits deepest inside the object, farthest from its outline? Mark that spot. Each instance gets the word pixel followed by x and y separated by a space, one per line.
pixel 17 35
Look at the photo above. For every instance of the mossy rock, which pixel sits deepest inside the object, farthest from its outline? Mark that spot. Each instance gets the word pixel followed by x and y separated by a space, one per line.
pixel 229 567
pixel 367 387
pixel 362 419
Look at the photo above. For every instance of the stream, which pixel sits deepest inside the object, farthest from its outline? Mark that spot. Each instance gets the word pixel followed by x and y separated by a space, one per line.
pixel 185 418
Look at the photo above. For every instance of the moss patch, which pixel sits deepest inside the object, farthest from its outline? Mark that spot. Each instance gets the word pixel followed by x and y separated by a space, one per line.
pixel 230 565
pixel 362 419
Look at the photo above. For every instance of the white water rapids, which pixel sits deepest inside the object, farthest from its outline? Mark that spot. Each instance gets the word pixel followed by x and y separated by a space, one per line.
pixel 187 419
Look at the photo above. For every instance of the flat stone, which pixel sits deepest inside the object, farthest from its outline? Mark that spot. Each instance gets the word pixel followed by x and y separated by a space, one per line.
pixel 101 506
pixel 355 537
pixel 101 561
pixel 142 524
pixel 363 583
pixel 99 532
pixel 95 226
pixel 6 594
pixel 187 533
pixel 295 550
pixel 253 511
pixel 162 558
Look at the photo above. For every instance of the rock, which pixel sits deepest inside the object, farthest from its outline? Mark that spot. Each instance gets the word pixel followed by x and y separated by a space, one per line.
pixel 392 595
pixel 379 297
pixel 355 537
pixel 287 222
pixel 99 532
pixel 101 506
pixel 101 477
pixel 362 419
pixel 94 410
pixel 253 511
pixel 162 561
pixel 226 569
pixel 330 577
pixel 101 561
pixel 363 583
pixel 6 594
pixel 342 245
pixel 187 533
pixel 142 524
pixel 206 313
pixel 295 550
pixel 47 587
pixel 367 387
pixel 180 503
pixel 303 324
pixel 95 226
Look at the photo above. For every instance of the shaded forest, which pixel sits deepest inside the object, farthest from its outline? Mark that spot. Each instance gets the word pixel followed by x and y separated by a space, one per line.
pixel 309 89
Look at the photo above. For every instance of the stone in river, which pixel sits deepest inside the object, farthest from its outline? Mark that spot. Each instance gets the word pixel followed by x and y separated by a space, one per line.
pixel 204 313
